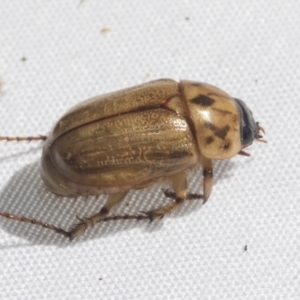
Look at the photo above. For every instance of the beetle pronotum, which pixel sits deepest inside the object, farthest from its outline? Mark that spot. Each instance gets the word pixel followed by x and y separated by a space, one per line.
pixel 138 136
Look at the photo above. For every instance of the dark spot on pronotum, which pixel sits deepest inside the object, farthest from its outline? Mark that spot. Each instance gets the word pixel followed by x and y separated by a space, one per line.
pixel 222 132
pixel 235 118
pixel 210 126
pixel 203 100
pixel 209 140
pixel 226 145
pixel 219 132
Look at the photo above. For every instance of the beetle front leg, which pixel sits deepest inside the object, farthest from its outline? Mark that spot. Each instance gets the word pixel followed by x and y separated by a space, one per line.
pixel 112 201
pixel 207 177
pixel 207 183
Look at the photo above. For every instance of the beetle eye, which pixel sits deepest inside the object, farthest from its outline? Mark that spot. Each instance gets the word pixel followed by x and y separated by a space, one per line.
pixel 247 134
pixel 248 125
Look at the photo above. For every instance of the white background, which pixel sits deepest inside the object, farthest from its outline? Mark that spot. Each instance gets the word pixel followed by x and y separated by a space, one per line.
pixel 248 48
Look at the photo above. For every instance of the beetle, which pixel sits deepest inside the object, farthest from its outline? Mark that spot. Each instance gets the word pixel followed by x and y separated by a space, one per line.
pixel 138 136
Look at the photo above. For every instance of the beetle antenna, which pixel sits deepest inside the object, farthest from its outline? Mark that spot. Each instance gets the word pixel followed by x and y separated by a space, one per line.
pixel 21 138
pixel 260 128
pixel 260 140
pixel 259 136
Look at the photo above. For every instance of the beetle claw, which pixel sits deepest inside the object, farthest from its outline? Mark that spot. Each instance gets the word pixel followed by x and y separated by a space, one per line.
pixel 169 194
pixel 149 214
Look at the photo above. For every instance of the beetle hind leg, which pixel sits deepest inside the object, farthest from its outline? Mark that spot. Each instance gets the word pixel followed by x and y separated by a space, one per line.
pixel 84 223
pixel 23 138
pixel 34 222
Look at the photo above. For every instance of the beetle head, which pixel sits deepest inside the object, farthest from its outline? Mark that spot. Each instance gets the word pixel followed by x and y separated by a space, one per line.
pixel 250 130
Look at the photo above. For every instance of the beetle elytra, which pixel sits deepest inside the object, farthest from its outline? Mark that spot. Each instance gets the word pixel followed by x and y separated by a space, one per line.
pixel 135 137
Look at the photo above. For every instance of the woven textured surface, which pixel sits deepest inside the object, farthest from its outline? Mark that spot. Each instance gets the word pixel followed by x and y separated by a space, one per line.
pixel 54 54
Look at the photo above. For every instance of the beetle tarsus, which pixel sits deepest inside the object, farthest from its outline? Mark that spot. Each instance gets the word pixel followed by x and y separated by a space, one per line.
pixel 169 194
pixel 190 196
pixel 147 215
pixel 193 196
pixel 21 138
pixel 80 227
pixel 63 232
pixel 34 222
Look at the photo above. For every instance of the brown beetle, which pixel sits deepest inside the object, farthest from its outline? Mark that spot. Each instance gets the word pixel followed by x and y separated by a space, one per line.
pixel 135 137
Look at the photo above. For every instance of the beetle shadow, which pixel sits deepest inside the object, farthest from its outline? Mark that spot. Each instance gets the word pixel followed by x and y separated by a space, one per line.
pixel 34 148
pixel 25 195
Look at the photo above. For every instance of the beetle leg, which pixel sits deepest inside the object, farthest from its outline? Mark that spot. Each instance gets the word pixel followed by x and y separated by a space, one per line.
pixel 112 201
pixel 22 138
pixel 189 196
pixel 84 223
pixel 207 177
pixel 34 222
pixel 207 183
pixel 179 183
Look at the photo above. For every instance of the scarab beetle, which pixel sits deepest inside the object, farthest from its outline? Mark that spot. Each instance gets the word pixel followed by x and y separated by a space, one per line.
pixel 138 136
